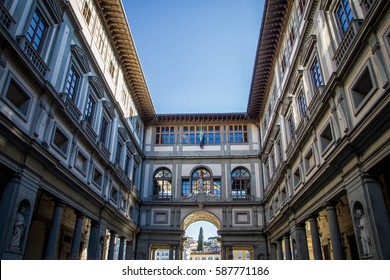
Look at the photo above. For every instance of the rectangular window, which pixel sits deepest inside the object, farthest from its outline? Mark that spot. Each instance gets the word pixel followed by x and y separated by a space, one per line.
pixel 118 153
pixel 114 195
pixel 17 98
pixel 309 160
pixel 302 104
pixel 105 131
pixel 238 134
pixel 36 30
pixel 362 88
pixel 90 109
pixel 60 140
pixel 316 74
pixel 217 187
pixel 98 178
pixel 291 126
pixel 72 83
pixel 297 177
pixel 326 138
pixel 81 161
pixel 165 135
pixel 88 13
pixel 344 14
pixel 185 187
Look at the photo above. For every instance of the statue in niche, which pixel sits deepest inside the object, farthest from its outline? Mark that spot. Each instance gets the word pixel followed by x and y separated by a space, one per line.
pixel 200 185
pixel 18 229
pixel 363 232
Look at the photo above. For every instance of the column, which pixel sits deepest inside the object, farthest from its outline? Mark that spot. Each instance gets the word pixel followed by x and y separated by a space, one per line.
pixel 94 250
pixel 273 251
pixel 300 250
pixel 279 249
pixel 230 253
pixel 177 252
pixel 51 246
pixel 121 247
pixel 129 250
pixel 315 237
pixel 287 246
pixel 223 252
pixel 335 238
pixel 171 252
pixel 75 249
pixel 111 247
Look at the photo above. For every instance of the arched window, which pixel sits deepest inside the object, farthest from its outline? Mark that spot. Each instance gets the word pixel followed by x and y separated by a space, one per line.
pixel 163 182
pixel 241 181
pixel 201 181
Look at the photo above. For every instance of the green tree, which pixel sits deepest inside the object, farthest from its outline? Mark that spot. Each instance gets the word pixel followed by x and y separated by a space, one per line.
pixel 200 240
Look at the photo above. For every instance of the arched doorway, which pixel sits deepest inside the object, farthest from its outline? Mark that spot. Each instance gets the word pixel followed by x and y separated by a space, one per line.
pixel 194 225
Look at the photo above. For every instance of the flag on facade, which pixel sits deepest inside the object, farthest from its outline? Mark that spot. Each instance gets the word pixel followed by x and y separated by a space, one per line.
pixel 201 138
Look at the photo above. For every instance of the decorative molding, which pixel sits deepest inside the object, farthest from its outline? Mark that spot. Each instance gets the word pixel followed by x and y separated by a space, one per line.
pixel 81 58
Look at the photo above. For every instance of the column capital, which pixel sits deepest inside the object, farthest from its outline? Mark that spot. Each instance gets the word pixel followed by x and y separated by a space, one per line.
pixel 313 216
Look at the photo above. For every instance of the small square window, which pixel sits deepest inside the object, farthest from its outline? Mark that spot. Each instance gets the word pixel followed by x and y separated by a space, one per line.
pixel 114 195
pixel 60 141
pixel 81 161
pixel 326 138
pixel 297 177
pixel 98 178
pixel 309 161
pixel 18 99
pixel 362 88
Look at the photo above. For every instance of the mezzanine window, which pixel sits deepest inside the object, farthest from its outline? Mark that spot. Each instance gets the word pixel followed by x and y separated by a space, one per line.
pixel 165 135
pixel 238 134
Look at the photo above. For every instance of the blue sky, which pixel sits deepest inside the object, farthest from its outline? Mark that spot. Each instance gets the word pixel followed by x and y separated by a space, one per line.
pixel 209 230
pixel 197 55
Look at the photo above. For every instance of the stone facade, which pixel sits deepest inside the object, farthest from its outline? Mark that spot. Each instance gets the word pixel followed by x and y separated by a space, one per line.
pixel 88 170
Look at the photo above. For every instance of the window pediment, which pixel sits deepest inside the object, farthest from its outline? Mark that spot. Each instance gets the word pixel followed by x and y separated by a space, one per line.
pixel 53 7
pixel 81 57
pixel 308 49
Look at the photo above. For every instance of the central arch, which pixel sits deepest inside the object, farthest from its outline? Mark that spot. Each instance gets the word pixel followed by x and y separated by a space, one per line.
pixel 200 215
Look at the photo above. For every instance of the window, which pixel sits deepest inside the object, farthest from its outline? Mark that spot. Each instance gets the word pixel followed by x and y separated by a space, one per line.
pixel 100 39
pixel 81 161
pixel 163 182
pixel 128 164
pixel 266 172
pixel 283 63
pixel 291 126
pixel 362 88
pixel 284 194
pixel 72 83
pixel 301 8
pixel 97 178
pixel 88 13
pixel 217 187
pixel 212 133
pixel 297 177
pixel 36 30
pixel 105 131
pixel 60 140
pixel 119 147
pixel 326 138
pixel 185 187
pixel 165 135
pixel 278 148
pixel 316 74
pixel 302 104
pixel 114 195
pixel 238 134
pixel 17 98
pixel 201 181
pixel 90 109
pixel 344 14
pixel 240 182
pixel 309 160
